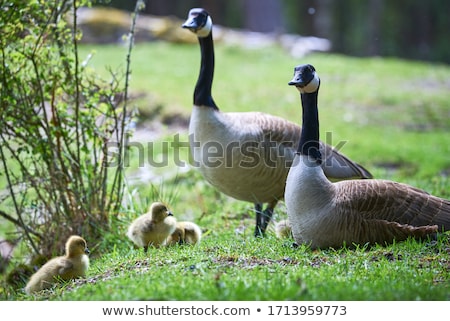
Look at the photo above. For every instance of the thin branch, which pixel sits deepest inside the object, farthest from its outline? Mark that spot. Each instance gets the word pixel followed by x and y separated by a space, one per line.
pixel 18 223
pixel 8 179
pixel 77 80
pixel 118 179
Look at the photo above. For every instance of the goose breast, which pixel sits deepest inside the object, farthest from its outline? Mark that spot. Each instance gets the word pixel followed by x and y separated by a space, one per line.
pixel 244 155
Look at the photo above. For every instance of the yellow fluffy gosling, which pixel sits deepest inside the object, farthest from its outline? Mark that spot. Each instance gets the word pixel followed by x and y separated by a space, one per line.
pixel 185 233
pixel 73 265
pixel 152 228
pixel 283 229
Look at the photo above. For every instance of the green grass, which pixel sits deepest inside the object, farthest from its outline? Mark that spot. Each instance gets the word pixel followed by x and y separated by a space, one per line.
pixel 238 267
pixel 394 117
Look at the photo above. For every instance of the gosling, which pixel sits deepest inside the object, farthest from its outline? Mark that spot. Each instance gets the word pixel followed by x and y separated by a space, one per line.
pixel 71 266
pixel 152 228
pixel 185 233
pixel 283 229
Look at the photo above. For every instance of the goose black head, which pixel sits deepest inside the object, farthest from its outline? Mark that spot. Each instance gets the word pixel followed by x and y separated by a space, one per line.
pixel 199 22
pixel 305 79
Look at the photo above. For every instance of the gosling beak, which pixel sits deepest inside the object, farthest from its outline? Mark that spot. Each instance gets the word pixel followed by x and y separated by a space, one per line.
pixel 169 213
pixel 86 250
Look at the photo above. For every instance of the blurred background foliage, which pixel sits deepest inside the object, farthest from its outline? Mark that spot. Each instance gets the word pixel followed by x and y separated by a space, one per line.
pixel 411 29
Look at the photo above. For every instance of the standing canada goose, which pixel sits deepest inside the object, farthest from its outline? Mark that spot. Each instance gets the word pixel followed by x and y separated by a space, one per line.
pixel 73 265
pixel 326 214
pixel 185 233
pixel 246 155
pixel 152 228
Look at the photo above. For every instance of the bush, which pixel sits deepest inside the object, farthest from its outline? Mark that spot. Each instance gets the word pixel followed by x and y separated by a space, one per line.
pixel 60 126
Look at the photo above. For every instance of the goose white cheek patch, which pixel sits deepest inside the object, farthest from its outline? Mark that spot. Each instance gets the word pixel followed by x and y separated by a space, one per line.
pixel 204 31
pixel 312 86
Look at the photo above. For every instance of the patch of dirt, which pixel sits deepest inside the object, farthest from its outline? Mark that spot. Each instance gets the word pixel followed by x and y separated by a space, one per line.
pixel 395 167
pixel 445 172
pixel 390 256
pixel 154 119
pixel 252 262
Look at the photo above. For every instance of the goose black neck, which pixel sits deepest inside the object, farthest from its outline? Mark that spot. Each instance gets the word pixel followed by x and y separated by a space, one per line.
pixel 202 93
pixel 309 139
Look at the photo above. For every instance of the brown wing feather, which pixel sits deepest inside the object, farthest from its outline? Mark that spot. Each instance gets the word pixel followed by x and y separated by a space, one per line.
pixel 394 202
pixel 385 232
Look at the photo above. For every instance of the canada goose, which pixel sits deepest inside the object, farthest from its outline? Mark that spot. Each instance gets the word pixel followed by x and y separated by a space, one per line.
pixel 283 229
pixel 246 155
pixel 152 228
pixel 326 214
pixel 185 233
pixel 73 265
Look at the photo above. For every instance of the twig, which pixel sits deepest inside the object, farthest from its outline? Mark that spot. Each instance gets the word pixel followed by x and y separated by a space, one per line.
pixel 20 221
pixel 140 5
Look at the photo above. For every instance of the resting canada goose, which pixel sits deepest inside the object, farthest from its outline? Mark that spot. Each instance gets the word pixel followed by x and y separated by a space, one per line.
pixel 185 233
pixel 152 228
pixel 246 155
pixel 73 265
pixel 326 214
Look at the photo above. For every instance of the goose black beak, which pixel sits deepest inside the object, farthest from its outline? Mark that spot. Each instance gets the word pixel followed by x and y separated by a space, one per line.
pixel 299 81
pixel 169 213
pixel 191 24
pixel 86 250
